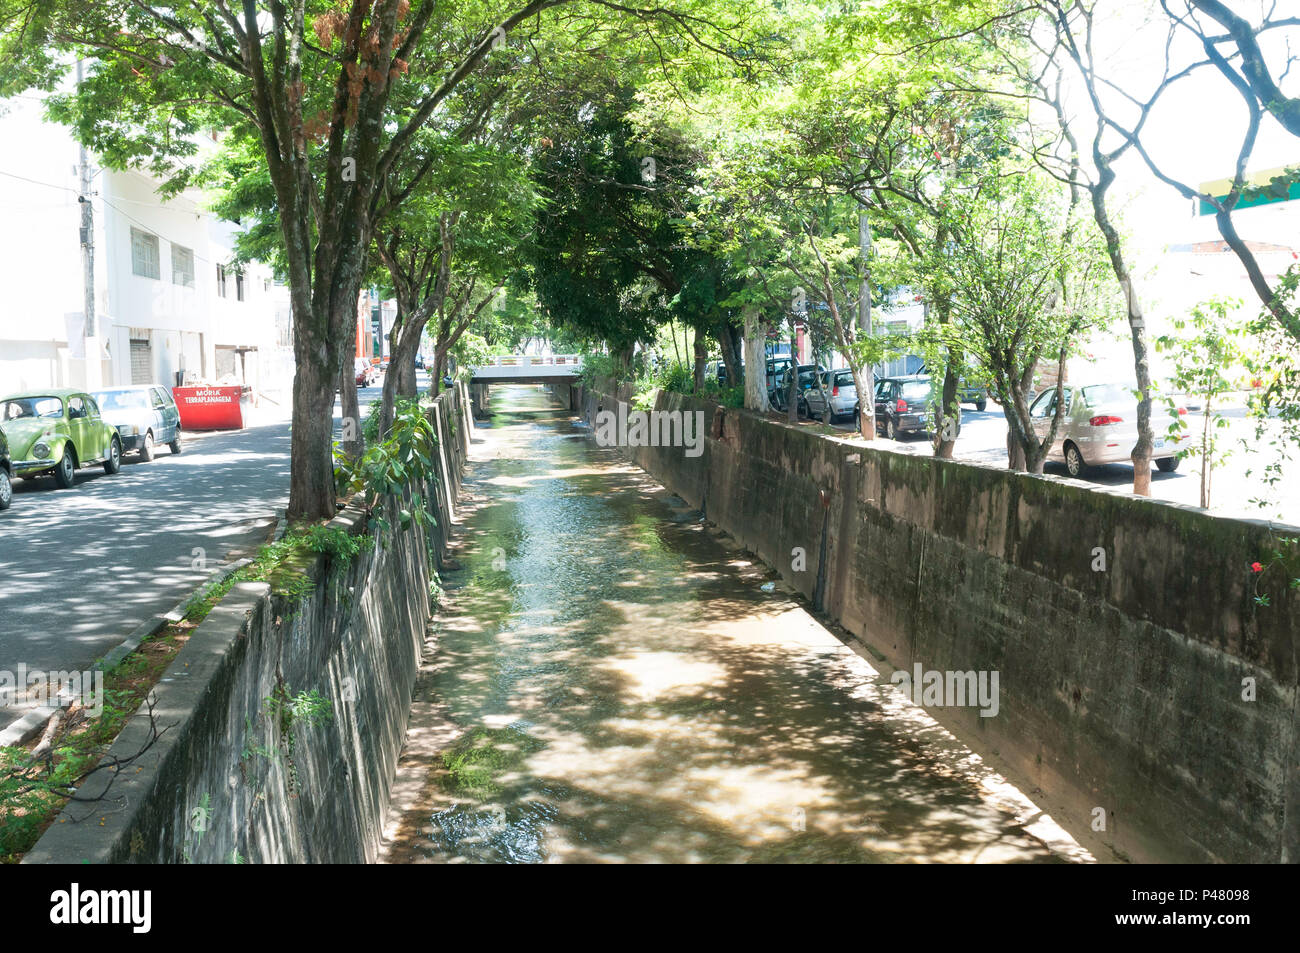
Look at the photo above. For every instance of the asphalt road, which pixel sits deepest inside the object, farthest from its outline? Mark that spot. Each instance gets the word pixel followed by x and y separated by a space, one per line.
pixel 81 568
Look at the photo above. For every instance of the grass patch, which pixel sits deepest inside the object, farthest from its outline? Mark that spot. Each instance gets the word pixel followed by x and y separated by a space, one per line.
pixel 34 790
pixel 475 765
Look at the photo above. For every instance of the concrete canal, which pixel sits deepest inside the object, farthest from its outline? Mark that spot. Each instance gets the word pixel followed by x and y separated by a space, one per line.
pixel 608 681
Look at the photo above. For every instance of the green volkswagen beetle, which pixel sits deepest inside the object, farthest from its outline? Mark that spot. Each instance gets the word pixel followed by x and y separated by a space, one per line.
pixel 57 431
pixel 6 487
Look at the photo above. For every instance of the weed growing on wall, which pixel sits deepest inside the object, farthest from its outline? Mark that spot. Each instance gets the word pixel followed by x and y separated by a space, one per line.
pixel 394 470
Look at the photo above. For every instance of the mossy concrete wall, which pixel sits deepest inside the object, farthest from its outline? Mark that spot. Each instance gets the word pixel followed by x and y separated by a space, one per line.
pixel 231 778
pixel 1121 688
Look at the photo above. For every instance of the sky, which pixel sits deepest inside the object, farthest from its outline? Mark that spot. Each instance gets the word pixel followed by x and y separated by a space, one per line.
pixel 1195 130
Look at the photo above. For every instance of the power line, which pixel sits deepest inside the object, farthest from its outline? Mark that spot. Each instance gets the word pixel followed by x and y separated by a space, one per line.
pixel 48 185
pixel 149 228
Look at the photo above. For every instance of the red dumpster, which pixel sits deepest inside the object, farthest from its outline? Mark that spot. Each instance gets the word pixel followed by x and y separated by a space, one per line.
pixel 209 408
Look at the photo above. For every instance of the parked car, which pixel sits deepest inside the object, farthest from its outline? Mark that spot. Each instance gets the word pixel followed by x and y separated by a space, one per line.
pixel 903 405
pixel 144 415
pixel 977 394
pixel 780 393
pixel 6 474
pixel 776 367
pixel 841 393
pixel 1100 426
pixel 722 374
pixel 367 373
pixel 58 432
pixel 967 393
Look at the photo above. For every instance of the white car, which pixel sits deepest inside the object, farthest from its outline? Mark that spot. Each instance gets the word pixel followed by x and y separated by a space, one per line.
pixel 1100 426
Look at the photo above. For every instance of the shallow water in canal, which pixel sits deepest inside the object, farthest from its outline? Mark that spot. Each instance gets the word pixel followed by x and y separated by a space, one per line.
pixel 608 682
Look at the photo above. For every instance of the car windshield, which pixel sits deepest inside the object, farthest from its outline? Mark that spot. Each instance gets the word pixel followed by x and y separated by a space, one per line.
pixel 916 390
pixel 18 408
pixel 123 400
pixel 1098 394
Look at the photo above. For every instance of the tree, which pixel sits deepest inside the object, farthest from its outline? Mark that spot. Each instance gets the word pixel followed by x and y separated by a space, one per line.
pixel 607 258
pixel 1207 346
pixel 1024 276
pixel 335 94
pixel 450 247
pixel 1239 59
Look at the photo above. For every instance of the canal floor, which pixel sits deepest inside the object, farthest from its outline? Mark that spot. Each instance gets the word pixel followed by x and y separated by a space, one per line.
pixel 608 682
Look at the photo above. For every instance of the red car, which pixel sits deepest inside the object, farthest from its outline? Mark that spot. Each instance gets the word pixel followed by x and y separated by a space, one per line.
pixel 367 373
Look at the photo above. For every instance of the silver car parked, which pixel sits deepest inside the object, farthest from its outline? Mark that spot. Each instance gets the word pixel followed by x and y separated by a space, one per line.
pixel 1100 426
pixel 841 394
pixel 145 415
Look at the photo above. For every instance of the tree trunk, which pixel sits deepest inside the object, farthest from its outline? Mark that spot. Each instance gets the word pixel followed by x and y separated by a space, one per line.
pixel 439 370
pixel 755 361
pixel 792 387
pixel 400 380
pixel 1207 453
pixel 1015 452
pixel 1019 455
pixel 864 379
pixel 701 359
pixel 311 474
pixel 949 410
pixel 729 341
pixel 949 406
pixel 351 408
pixel 1137 326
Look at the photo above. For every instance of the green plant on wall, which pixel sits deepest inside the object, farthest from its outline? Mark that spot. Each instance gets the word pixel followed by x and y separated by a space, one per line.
pixel 1282 561
pixel 286 710
pixel 396 469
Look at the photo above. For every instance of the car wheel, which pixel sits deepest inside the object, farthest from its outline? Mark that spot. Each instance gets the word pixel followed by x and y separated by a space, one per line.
pixel 6 489
pixel 146 448
pixel 66 472
pixel 1167 464
pixel 1074 462
pixel 114 461
pixel 891 428
pixel 980 405
pixel 176 444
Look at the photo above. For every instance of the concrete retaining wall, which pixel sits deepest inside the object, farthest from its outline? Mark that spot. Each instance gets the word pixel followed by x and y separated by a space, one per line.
pixel 232 778
pixel 1121 689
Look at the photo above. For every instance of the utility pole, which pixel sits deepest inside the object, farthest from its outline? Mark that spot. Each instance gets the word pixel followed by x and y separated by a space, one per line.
pixel 94 369
pixel 867 401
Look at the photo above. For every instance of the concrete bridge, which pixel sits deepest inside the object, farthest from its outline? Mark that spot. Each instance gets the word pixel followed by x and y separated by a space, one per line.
pixel 527 369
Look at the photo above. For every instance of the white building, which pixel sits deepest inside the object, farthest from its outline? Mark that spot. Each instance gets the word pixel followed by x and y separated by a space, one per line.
pixel 168 305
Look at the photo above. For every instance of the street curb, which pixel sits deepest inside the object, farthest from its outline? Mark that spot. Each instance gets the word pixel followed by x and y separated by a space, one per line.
pixel 27 727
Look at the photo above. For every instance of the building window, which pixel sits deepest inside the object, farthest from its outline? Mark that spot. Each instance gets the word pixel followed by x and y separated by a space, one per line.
pixel 221 281
pixel 144 254
pixel 182 266
pixel 239 286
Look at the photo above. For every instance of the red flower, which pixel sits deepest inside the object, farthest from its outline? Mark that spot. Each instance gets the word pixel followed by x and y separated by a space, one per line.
pixel 1256 567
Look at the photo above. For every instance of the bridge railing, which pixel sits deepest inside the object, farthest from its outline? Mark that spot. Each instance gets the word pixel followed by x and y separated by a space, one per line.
pixel 533 360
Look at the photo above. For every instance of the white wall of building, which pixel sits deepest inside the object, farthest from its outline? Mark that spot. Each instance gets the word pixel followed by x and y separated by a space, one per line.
pixel 178 329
